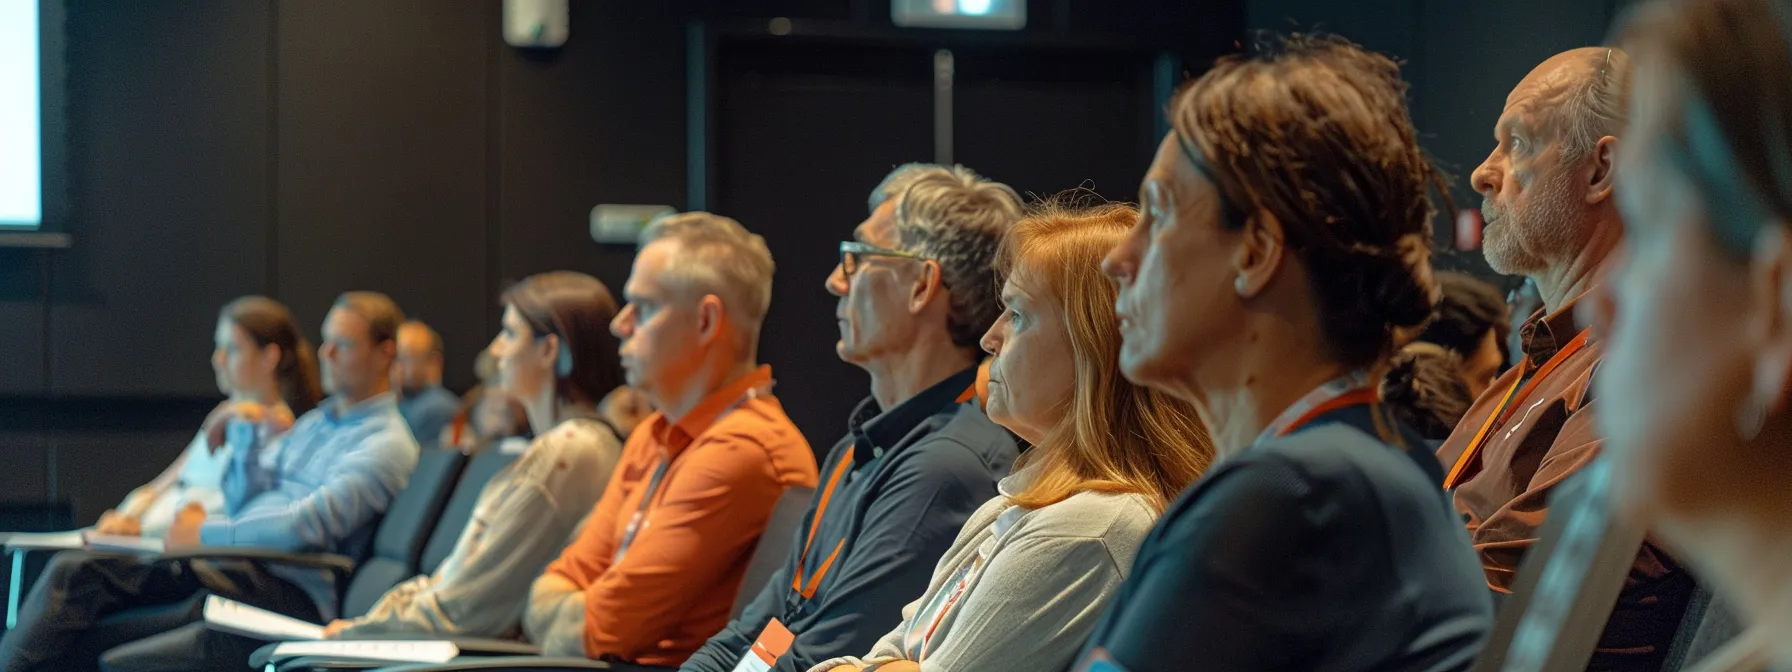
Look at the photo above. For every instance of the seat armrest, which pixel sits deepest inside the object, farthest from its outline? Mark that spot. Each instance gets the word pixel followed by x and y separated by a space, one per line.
pixel 339 564
pixel 521 664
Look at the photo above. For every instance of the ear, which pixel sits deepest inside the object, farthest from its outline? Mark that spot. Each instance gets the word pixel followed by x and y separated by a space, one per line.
pixel 710 318
pixel 1259 254
pixel 928 286
pixel 550 348
pixel 1770 273
pixel 389 348
pixel 1604 177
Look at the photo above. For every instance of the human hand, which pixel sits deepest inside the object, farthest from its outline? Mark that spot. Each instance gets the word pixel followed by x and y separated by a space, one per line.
pixel 118 524
pixel 184 533
pixel 247 411
pixel 334 628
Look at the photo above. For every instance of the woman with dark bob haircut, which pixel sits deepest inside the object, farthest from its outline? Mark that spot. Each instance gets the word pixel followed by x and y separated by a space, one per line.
pixel 1282 254
pixel 556 357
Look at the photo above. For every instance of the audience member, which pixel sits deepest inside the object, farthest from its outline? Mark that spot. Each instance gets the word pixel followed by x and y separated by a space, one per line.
pixel 321 487
pixel 417 377
pixel 654 573
pixel 1548 200
pixel 1424 388
pixel 624 408
pixel 916 292
pixel 1028 576
pixel 555 353
pixel 1695 386
pixel 1285 241
pixel 260 357
pixel 1470 322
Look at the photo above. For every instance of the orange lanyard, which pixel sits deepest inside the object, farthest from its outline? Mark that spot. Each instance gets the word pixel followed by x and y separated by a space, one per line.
pixel 1358 397
pixel 807 589
pixel 1515 395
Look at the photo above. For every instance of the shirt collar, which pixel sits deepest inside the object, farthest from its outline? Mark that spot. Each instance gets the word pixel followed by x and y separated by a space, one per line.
pixel 874 432
pixel 1544 335
pixel 379 403
pixel 674 436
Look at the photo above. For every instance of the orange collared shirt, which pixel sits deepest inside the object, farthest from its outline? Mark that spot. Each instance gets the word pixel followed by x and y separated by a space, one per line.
pixel 731 457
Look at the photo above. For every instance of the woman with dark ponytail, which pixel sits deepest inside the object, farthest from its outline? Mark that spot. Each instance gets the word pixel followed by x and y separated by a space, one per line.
pixel 268 370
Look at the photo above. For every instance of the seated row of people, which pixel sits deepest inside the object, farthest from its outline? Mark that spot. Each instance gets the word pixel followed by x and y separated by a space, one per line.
pixel 1214 478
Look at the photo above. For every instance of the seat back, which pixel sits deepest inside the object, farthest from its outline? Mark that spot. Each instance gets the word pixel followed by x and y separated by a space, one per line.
pixel 479 472
pixel 398 543
pixel 1709 624
pixel 1568 582
pixel 774 544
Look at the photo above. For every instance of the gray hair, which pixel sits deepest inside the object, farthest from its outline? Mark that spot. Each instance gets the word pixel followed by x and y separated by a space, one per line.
pixel 1598 106
pixel 716 255
pixel 955 217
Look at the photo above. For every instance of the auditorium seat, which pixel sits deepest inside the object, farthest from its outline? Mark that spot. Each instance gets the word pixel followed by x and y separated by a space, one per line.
pixel 1568 582
pixel 490 654
pixel 397 548
pixel 1710 623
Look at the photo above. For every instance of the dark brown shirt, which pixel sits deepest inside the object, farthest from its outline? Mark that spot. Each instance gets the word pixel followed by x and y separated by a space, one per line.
pixel 1549 434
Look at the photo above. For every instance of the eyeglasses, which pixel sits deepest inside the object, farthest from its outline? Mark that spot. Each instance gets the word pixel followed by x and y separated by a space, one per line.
pixel 851 250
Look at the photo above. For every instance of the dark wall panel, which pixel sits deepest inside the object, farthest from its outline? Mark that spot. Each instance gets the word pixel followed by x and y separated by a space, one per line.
pixel 168 118
pixel 804 136
pixel 22 349
pixel 95 469
pixel 383 159
pixel 598 121
pixel 26 477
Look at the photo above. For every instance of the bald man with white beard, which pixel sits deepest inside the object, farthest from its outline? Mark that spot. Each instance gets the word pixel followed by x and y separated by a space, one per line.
pixel 1547 199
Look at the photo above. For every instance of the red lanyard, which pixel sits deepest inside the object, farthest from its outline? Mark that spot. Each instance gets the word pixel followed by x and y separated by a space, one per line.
pixel 807 589
pixel 1361 396
pixel 1515 394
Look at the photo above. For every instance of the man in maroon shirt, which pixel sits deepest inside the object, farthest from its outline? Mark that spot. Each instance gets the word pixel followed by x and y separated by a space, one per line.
pixel 1548 202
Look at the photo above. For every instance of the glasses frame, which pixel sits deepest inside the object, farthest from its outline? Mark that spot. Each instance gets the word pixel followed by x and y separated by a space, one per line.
pixel 851 250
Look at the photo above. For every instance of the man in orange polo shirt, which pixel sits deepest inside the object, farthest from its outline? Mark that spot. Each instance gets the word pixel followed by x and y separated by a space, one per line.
pixel 1551 216
pixel 656 568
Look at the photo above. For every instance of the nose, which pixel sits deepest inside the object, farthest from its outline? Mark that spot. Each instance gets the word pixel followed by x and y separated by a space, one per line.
pixel 492 347
pixel 992 339
pixel 218 358
pixel 836 282
pixel 1118 262
pixel 326 351
pixel 1486 178
pixel 623 325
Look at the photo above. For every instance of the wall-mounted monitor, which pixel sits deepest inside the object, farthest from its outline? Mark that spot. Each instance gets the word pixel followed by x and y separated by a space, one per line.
pixel 31 113
pixel 972 14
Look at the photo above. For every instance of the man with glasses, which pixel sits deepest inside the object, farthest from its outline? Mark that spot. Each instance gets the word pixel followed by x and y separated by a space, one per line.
pixel 916 293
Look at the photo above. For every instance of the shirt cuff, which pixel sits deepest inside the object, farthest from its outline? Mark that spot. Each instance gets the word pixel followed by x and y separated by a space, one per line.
pixel 216 533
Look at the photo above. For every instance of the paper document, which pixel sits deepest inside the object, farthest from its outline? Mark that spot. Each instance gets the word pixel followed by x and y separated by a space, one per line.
pixel 73 539
pixel 235 617
pixel 112 542
pixel 48 541
pixel 398 651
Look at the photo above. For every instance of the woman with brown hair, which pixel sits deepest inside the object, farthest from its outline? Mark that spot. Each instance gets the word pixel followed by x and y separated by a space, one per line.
pixel 1033 567
pixel 1283 253
pixel 1698 367
pixel 269 372
pixel 557 358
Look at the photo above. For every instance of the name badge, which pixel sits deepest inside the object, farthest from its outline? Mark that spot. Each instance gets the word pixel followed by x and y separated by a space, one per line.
pixel 1098 660
pixel 772 643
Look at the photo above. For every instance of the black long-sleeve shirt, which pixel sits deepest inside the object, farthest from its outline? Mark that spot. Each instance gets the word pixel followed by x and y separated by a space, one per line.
pixel 1325 549
pixel 918 471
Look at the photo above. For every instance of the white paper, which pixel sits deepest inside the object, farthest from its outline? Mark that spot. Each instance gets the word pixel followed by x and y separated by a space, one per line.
pixel 112 542
pixel 68 540
pixel 401 651
pixel 751 663
pixel 235 617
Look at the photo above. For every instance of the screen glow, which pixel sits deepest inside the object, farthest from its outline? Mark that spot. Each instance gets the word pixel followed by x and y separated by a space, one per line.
pixel 21 144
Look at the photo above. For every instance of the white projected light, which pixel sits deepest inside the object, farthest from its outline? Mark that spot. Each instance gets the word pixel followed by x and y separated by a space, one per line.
pixel 984 14
pixel 21 145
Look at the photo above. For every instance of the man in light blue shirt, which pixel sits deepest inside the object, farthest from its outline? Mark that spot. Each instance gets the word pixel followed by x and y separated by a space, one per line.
pixel 323 487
